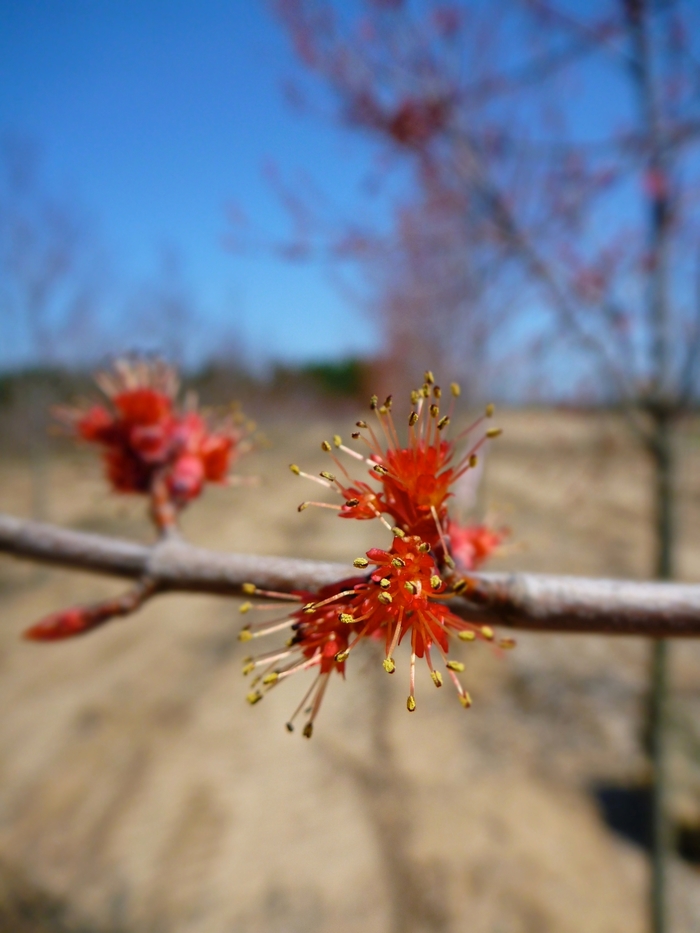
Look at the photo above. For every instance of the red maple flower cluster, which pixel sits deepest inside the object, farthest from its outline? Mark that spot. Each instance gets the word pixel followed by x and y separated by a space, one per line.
pixel 150 446
pixel 415 480
pixel 404 596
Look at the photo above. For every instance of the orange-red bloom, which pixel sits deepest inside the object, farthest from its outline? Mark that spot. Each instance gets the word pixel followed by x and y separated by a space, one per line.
pixel 322 633
pixel 150 445
pixel 471 545
pixel 414 478
pixel 404 596
pixel 409 599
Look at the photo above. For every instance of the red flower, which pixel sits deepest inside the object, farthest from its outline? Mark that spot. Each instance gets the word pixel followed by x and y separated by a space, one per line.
pixel 471 545
pixel 150 446
pixel 414 479
pixel 409 599
pixel 404 596
pixel 323 632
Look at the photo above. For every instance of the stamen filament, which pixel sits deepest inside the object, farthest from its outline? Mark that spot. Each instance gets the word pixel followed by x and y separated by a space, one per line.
pixel 300 707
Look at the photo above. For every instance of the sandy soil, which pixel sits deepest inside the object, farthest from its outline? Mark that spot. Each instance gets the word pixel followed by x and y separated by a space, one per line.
pixel 140 793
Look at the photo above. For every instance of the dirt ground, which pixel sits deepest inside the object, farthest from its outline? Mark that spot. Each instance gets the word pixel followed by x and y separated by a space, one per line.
pixel 139 792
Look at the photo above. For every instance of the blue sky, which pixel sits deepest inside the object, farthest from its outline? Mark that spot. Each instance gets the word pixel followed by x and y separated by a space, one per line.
pixel 156 114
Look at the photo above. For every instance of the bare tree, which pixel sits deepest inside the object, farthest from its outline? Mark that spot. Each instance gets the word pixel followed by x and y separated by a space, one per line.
pixel 568 141
pixel 48 291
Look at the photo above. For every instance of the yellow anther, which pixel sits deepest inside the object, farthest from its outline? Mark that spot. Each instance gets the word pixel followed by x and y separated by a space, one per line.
pixel 302 506
pixel 435 582
pixel 384 598
pixel 270 678
pixel 411 704
pixel 455 666
pixel 290 641
pixel 434 411
pixel 465 700
pixel 309 607
pixel 294 468
pixel 378 468
pixel 360 563
pixel 437 392
pixel 459 587
pixel 329 476
pixel 248 667
pixel 397 532
pixel 308 730
pixel 398 563
pixel 466 636
pixel 428 377
pixel 388 665
pixel 245 607
pixel 373 402
pixel 342 656
pixel 494 432
pixel 415 395
pixel 425 391
pixel 325 446
pixel 473 460
pixel 443 422
pixel 424 547
pixel 337 440
pixel 412 418
pixel 487 631
pixel 411 587
pixel 437 678
pixel 506 643
pixel 383 410
pixel 388 402
pixel 361 424
pixel 384 582
pixel 490 409
pixel 245 635
pixel 248 588
pixel 346 618
pixel 254 697
pixel 455 389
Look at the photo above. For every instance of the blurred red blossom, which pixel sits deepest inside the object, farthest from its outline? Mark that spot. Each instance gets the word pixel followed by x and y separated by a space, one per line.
pixel 471 545
pixel 151 446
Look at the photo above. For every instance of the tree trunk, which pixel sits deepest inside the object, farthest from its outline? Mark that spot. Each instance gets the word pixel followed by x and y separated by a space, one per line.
pixel 664 475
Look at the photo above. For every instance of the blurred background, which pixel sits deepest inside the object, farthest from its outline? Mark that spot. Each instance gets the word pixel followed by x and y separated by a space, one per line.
pixel 300 203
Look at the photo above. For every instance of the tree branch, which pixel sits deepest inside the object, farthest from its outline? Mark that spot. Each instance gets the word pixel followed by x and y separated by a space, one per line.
pixel 535 602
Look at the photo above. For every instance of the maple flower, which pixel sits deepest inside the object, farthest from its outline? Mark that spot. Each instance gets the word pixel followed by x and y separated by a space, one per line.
pixel 471 545
pixel 410 599
pixel 150 446
pixel 403 596
pixel 414 479
pixel 322 633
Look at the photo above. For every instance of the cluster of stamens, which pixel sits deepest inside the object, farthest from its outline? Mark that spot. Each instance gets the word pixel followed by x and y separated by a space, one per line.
pixel 403 595
pixel 414 480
